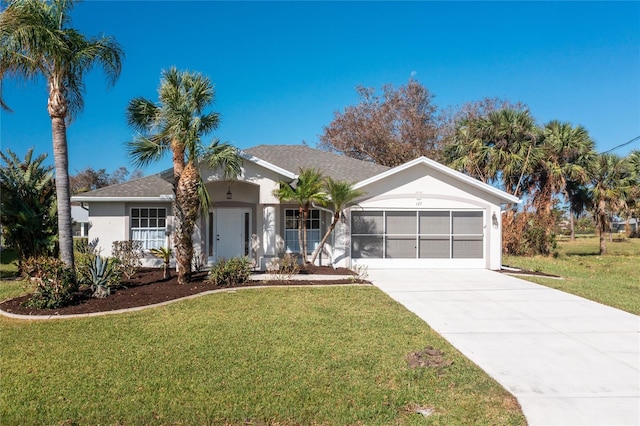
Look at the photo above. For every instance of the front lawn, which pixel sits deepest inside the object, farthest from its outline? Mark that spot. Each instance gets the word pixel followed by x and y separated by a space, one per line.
pixel 613 279
pixel 332 356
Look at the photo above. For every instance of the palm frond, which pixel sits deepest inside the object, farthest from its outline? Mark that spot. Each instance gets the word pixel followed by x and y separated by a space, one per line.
pixel 147 150
pixel 224 157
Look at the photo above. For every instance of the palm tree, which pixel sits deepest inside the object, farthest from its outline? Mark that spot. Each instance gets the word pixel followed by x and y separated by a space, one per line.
pixel 612 181
pixel 500 146
pixel 27 205
pixel 468 152
pixel 514 140
pixel 36 40
pixel 177 124
pixel 341 195
pixel 308 189
pixel 567 155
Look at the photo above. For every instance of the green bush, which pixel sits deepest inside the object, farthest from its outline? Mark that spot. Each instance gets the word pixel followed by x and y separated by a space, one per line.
pixel 229 272
pixel 55 282
pixel 129 255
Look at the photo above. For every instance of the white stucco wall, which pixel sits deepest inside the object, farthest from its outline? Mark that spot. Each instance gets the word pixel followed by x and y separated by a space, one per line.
pixel 108 223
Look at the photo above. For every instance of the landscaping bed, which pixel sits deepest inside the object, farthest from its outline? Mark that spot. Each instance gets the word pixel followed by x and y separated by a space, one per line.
pixel 147 287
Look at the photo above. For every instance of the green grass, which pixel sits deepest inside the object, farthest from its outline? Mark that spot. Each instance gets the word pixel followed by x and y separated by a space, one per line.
pixel 612 279
pixel 333 356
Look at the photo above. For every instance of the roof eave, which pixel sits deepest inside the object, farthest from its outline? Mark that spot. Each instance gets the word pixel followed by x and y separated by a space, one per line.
pixel 161 198
pixel 267 165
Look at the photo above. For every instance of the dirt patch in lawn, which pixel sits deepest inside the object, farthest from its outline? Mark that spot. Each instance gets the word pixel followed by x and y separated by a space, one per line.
pixel 428 357
pixel 518 271
pixel 148 287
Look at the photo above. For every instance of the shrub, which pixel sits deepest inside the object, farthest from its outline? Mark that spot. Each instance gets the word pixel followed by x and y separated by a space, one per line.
pixel 286 265
pixel 527 234
pixel 129 255
pixel 229 272
pixel 55 282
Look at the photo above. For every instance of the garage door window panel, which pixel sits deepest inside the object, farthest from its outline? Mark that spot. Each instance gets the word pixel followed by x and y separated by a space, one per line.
pixel 367 247
pixel 438 247
pixel 441 234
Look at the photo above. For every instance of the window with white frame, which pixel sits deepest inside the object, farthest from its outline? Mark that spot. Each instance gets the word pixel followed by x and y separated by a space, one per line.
pixel 149 225
pixel 291 217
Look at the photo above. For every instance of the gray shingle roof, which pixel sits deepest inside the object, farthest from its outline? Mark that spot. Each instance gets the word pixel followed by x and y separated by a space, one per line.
pixel 288 157
pixel 148 186
pixel 338 167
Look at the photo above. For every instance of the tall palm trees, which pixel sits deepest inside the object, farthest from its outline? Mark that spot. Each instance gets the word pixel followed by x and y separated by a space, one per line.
pixel 176 124
pixel 308 189
pixel 36 40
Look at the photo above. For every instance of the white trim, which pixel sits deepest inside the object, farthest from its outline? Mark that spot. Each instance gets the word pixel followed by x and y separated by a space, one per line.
pixel 506 197
pixel 267 165
pixel 160 199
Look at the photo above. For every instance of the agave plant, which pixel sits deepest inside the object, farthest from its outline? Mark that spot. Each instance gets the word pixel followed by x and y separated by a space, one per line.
pixel 102 273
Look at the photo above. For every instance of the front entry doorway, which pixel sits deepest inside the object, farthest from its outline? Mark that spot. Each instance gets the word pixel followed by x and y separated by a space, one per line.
pixel 229 233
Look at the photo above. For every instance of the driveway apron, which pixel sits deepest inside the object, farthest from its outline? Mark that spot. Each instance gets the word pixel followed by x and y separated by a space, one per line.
pixel 568 360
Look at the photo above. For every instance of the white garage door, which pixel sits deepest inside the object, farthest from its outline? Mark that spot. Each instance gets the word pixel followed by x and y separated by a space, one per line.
pixel 418 238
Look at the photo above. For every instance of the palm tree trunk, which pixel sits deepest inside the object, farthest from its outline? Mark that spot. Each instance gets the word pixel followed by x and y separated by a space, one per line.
pixel 602 219
pixel 305 215
pixel 63 192
pixel 336 218
pixel 301 231
pixel 572 225
pixel 186 210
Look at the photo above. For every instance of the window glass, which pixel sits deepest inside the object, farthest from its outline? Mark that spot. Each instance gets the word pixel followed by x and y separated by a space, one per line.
pixel 148 228
pixel 292 244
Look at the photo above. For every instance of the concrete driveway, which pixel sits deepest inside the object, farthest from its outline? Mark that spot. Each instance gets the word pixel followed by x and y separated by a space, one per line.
pixel 568 360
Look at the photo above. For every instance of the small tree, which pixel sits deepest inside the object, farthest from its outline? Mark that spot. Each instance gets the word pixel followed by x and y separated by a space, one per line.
pixel 163 253
pixel 308 189
pixel 341 195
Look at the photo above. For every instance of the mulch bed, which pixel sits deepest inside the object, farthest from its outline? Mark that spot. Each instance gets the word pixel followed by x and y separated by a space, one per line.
pixel 148 287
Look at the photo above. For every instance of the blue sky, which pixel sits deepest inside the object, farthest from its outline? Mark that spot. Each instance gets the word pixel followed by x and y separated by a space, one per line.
pixel 282 69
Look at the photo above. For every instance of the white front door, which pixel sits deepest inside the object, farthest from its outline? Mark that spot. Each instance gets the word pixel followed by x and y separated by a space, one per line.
pixel 231 230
